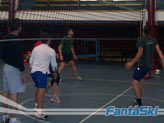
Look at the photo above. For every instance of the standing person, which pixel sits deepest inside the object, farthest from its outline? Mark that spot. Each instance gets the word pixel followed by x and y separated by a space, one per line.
pixel 146 46
pixel 13 71
pixel 42 56
pixel 54 82
pixel 67 53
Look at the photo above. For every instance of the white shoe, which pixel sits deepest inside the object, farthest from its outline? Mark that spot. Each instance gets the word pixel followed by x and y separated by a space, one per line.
pixel 61 80
pixel 56 99
pixel 39 115
pixel 79 78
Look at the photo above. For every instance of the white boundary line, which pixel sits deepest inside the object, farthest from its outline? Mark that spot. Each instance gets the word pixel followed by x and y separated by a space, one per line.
pixel 104 106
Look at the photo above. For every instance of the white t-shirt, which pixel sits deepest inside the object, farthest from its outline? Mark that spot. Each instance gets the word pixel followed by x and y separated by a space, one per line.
pixel 41 58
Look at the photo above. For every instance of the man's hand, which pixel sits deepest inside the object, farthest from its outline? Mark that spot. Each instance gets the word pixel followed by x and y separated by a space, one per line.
pixel 23 78
pixel 57 56
pixel 75 57
pixel 61 58
pixel 128 65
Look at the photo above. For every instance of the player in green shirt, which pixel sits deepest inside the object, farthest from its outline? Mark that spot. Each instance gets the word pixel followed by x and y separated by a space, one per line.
pixel 146 46
pixel 67 53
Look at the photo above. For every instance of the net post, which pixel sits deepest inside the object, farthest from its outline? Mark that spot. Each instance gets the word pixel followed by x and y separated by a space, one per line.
pixel 19 6
pixel 78 4
pixel 11 12
pixel 111 7
pixel 11 9
pixel 48 5
pixel 151 22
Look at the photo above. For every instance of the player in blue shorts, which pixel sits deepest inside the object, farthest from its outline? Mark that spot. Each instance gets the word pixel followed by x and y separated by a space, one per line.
pixel 41 58
pixel 146 46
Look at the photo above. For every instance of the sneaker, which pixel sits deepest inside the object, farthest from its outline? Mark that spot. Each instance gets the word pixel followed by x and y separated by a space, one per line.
pixel 16 121
pixel 40 116
pixel 61 80
pixel 79 78
pixel 136 105
pixel 56 99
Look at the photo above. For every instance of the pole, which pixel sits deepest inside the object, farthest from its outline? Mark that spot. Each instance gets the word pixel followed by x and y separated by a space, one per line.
pixel 11 12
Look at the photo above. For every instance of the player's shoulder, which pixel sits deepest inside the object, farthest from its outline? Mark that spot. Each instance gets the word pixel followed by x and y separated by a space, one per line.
pixel 51 49
pixel 37 48
pixel 65 38
pixel 153 38
pixel 140 39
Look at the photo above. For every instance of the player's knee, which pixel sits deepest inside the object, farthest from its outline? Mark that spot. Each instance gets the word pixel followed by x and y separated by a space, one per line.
pixel 42 91
pixel 62 64
pixel 134 82
pixel 72 63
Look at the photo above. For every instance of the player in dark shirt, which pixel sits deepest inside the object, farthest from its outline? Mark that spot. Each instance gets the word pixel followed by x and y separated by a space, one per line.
pixel 146 46
pixel 13 71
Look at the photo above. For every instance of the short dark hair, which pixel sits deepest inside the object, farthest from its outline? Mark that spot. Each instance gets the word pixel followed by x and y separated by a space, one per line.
pixel 46 36
pixel 14 24
pixel 68 30
pixel 147 30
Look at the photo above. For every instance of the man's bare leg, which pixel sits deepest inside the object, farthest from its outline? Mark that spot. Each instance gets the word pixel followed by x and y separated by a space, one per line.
pixel 61 67
pixel 5 94
pixel 140 85
pixel 40 98
pixel 14 98
pixel 55 97
pixel 137 92
pixel 74 68
pixel 55 89
pixel 36 95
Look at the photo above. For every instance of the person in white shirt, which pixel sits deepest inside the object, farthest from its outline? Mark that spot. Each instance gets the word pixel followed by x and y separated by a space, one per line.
pixel 41 58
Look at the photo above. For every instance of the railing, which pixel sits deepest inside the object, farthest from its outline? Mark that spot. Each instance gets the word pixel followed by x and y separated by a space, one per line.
pixel 80 4
pixel 77 4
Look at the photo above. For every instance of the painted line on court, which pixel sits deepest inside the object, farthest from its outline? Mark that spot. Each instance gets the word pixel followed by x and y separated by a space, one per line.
pixel 33 118
pixel 105 80
pixel 87 94
pixel 119 81
pixel 43 121
pixel 96 94
pixel 104 106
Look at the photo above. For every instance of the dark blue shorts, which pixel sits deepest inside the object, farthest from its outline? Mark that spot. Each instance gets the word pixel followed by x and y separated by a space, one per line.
pixel 140 72
pixel 67 58
pixel 40 79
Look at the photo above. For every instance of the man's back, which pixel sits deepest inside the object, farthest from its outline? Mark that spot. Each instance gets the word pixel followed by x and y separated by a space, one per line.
pixel 41 58
pixel 148 44
pixel 12 52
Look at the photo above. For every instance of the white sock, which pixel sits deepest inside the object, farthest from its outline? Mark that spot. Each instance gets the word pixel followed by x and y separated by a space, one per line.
pixel 13 119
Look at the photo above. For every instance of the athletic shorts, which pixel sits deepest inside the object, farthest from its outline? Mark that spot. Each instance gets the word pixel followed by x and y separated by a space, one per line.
pixel 12 79
pixel 140 72
pixel 40 79
pixel 67 58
